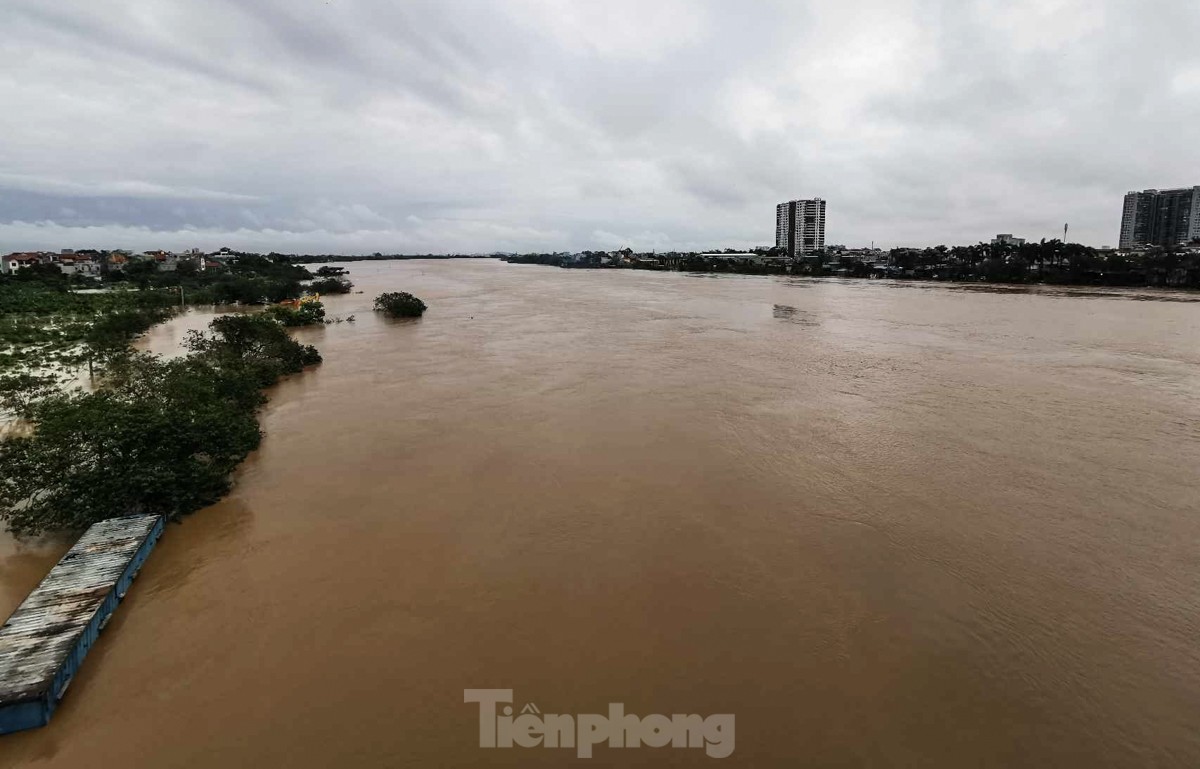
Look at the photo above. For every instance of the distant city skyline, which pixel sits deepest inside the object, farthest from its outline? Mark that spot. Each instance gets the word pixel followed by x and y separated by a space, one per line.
pixel 545 126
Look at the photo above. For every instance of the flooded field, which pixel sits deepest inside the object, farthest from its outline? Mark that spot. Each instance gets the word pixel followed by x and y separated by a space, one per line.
pixel 883 524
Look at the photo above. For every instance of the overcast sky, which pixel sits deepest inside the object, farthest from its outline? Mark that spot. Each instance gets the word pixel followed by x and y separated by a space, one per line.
pixel 456 125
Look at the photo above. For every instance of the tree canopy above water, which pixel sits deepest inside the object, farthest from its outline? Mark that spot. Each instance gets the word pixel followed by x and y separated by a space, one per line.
pixel 158 436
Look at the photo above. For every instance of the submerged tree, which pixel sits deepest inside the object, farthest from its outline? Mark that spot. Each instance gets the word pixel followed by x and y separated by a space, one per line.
pixel 400 304
pixel 307 314
pixel 111 334
pixel 330 285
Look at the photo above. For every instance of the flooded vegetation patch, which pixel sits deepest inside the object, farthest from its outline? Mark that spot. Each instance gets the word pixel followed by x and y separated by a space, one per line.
pixel 156 437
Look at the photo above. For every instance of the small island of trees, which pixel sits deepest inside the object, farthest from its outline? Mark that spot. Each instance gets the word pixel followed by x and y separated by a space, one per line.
pixel 399 304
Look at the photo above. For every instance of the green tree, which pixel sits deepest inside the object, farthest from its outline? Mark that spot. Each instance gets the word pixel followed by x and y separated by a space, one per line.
pixel 111 334
pixel 19 392
pixel 254 345
pixel 141 272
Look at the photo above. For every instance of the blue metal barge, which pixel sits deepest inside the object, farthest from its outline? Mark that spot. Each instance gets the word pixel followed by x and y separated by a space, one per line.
pixel 45 640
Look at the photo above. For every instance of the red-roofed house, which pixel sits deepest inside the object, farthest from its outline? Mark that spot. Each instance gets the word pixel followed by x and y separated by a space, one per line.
pixel 14 262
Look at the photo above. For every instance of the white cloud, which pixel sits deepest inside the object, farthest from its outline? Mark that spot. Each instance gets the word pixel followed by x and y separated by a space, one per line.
pixel 1186 83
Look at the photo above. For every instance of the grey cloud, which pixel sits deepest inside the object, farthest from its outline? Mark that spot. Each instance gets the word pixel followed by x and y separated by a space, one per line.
pixel 455 126
pixel 111 188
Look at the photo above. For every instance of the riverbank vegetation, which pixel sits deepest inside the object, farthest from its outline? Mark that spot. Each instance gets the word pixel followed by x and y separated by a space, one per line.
pixel 150 435
pixel 156 436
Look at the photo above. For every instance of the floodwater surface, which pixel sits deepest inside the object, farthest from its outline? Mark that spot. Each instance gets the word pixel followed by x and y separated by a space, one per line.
pixel 882 524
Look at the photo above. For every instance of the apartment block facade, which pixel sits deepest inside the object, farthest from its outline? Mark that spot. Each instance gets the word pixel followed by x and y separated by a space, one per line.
pixel 800 226
pixel 1160 218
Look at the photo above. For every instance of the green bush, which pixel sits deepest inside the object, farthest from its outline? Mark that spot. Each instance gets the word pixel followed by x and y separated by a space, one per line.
pixel 400 304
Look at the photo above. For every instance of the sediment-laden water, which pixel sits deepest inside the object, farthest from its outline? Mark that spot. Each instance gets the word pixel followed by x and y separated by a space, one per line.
pixel 883 524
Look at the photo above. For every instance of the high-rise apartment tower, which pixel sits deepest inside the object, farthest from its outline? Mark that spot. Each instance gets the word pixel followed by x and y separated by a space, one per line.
pixel 800 226
pixel 1160 218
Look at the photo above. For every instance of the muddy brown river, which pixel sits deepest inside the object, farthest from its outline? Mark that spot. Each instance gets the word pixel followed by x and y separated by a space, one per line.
pixel 882 524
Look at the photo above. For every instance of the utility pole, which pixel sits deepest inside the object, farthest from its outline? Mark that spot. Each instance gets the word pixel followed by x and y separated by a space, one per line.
pixel 1066 227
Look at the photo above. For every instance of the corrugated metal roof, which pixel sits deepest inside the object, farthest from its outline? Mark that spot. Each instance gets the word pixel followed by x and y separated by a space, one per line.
pixel 37 638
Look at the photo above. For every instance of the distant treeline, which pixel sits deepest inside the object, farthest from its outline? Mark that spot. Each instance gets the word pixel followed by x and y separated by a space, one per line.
pixel 1051 261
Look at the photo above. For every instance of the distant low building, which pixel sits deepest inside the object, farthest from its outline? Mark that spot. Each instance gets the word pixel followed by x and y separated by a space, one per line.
pixel 193 255
pixel 73 264
pixel 865 255
pixel 166 261
pixel 743 258
pixel 1007 240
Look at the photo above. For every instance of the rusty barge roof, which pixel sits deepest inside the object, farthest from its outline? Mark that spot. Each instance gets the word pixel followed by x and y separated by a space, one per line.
pixel 41 633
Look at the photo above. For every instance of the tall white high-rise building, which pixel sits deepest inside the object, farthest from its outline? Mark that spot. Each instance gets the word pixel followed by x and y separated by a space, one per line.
pixel 800 226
